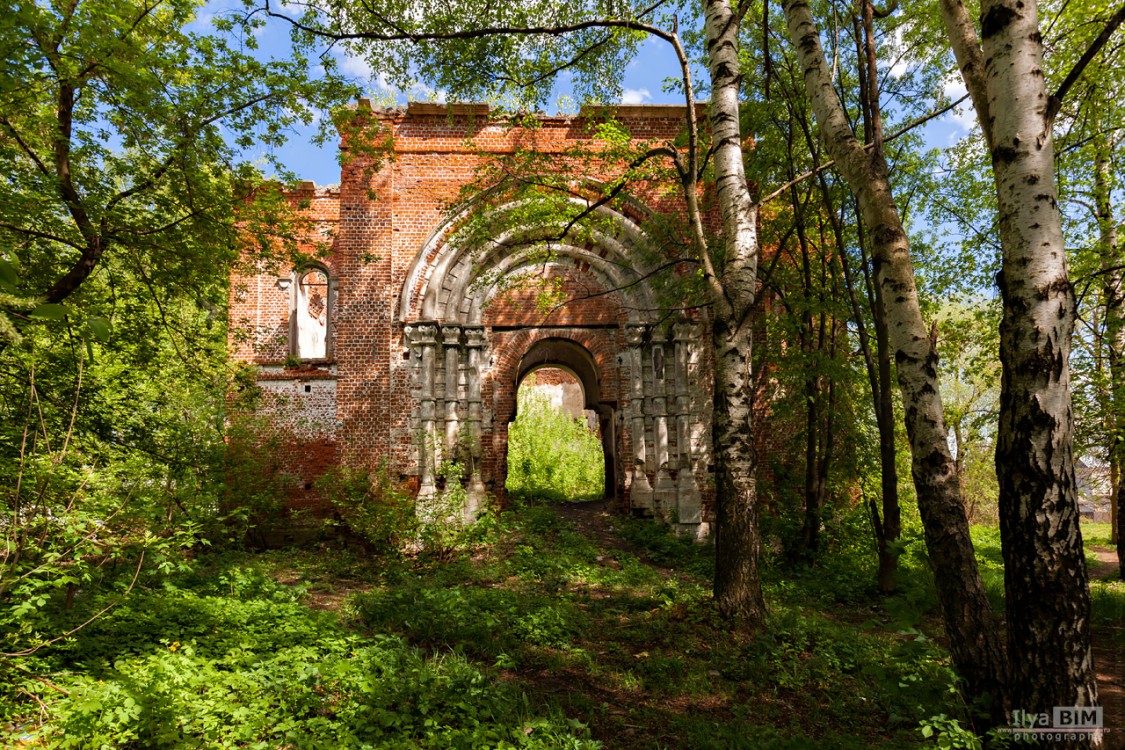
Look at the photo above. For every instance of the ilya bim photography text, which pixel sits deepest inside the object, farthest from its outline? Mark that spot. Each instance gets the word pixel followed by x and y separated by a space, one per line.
pixel 1064 723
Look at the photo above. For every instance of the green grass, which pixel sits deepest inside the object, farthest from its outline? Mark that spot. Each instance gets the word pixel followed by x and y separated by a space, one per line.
pixel 1107 590
pixel 225 656
pixel 1096 534
pixel 636 652
pixel 550 455
pixel 532 634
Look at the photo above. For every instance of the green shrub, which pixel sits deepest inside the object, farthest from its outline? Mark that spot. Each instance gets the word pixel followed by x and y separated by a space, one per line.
pixel 255 481
pixel 551 455
pixel 371 506
pixel 225 657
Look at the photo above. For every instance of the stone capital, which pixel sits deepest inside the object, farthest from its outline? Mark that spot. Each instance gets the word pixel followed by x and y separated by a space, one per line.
pixel 451 335
pixel 423 334
pixel 474 337
pixel 635 334
pixel 685 331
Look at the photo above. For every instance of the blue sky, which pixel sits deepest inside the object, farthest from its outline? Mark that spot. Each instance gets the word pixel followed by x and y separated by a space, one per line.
pixel 643 84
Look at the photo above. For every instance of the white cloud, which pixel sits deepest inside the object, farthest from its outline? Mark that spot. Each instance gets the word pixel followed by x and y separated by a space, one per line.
pixel 964 116
pixel 901 64
pixel 202 21
pixel 358 67
pixel 354 65
pixel 420 92
pixel 635 96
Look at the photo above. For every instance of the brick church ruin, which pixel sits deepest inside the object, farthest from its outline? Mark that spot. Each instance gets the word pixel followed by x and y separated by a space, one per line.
pixel 401 344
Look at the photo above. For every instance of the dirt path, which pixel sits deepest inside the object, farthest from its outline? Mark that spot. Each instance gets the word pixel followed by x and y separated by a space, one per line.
pixel 1106 564
pixel 1109 657
pixel 598 520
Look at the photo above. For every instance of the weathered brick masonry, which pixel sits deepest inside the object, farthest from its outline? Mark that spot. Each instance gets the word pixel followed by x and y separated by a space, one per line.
pixel 425 351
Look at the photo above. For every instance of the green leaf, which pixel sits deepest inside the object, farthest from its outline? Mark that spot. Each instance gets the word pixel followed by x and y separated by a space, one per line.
pixel 100 327
pixel 50 311
pixel 8 275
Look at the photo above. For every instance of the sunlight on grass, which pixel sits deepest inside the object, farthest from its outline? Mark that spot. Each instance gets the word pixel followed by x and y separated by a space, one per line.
pixel 1096 534
pixel 550 455
pixel 532 635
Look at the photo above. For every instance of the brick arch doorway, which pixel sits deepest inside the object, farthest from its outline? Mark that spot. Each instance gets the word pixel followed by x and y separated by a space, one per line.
pixel 572 357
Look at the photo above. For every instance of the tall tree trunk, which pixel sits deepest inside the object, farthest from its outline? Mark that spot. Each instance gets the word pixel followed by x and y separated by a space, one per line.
pixel 1113 298
pixel 1048 603
pixel 891 528
pixel 810 530
pixel 959 467
pixel 738 586
pixel 888 524
pixel 969 620
pixel 885 420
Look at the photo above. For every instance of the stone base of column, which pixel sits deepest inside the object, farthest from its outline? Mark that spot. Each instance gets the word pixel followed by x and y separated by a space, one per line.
pixel 640 493
pixel 689 505
pixel 697 532
pixel 476 496
pixel 664 495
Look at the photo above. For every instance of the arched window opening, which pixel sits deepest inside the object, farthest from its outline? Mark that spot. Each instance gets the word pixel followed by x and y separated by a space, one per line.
pixel 311 315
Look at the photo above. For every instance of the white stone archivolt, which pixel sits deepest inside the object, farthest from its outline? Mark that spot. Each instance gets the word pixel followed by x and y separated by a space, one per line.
pixel 441 308
pixel 449 282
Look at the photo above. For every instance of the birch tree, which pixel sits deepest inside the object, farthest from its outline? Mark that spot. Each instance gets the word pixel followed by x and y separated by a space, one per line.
pixel 1090 153
pixel 1045 578
pixel 1112 270
pixel 968 616
pixel 476 50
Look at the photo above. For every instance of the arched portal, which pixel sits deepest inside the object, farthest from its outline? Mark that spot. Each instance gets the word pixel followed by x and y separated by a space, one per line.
pixel 470 336
pixel 574 358
pixel 421 345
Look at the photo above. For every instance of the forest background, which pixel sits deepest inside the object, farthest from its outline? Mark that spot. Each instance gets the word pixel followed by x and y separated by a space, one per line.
pixel 130 133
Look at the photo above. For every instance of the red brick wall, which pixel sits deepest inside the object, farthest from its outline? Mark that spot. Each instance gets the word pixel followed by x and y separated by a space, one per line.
pixel 381 219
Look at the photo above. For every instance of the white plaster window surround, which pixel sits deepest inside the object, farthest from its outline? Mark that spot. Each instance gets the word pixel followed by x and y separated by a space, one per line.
pixel 310 314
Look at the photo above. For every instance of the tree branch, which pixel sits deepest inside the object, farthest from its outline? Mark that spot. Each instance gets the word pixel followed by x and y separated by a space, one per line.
pixel 401 34
pixel 901 131
pixel 1079 67
pixel 40 235
pixel 962 36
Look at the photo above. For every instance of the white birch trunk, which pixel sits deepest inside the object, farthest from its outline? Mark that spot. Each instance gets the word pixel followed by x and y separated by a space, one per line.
pixel 1047 600
pixel 969 621
pixel 738 589
pixel 1113 299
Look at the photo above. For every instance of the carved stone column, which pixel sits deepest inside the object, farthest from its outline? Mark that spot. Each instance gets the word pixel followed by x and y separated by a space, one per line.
pixel 451 345
pixel 424 338
pixel 664 490
pixel 640 492
pixel 688 503
pixel 474 344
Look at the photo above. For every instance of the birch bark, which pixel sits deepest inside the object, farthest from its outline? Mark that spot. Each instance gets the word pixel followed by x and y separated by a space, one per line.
pixel 1113 298
pixel 1048 603
pixel 969 620
pixel 738 589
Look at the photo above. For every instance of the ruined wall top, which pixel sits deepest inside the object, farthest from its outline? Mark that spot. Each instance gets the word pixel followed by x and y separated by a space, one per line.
pixel 426 127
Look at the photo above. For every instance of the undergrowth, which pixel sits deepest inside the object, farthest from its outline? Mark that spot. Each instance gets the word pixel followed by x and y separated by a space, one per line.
pixel 530 634
pixel 550 455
